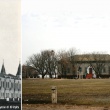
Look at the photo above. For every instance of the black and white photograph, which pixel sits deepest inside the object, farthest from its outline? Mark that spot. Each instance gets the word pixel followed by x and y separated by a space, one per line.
pixel 10 55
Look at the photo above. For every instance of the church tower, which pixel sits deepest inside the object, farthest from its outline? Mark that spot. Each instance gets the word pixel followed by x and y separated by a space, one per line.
pixel 3 72
pixel 19 71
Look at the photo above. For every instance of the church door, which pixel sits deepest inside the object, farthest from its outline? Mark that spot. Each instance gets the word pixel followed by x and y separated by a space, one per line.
pixel 90 70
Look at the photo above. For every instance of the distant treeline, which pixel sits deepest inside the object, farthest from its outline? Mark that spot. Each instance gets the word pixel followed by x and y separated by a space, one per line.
pixel 49 62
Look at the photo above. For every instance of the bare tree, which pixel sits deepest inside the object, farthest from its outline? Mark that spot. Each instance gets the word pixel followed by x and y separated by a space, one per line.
pixel 68 61
pixel 50 62
pixel 63 62
pixel 72 58
pixel 44 63
pixel 38 62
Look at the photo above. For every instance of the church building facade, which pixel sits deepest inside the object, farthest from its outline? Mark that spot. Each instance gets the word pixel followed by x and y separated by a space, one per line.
pixel 86 67
pixel 10 85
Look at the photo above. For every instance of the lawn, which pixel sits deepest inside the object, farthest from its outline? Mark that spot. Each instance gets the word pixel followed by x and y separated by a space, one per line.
pixel 93 92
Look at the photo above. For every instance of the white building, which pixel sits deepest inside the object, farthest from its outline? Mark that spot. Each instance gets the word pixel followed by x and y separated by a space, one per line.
pixel 10 85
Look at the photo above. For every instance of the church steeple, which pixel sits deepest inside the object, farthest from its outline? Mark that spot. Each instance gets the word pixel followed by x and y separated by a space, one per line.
pixel 19 71
pixel 3 69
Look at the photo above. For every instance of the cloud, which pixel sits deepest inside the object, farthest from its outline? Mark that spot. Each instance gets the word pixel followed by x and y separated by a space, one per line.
pixel 65 24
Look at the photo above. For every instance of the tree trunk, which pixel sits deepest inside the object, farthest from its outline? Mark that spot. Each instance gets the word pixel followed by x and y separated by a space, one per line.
pixel 55 75
pixel 42 76
pixel 50 75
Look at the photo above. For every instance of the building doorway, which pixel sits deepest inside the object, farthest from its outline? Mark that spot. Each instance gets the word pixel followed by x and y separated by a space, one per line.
pixel 90 70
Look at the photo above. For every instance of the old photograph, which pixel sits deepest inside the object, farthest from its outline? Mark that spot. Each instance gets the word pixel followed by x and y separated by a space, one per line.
pixel 10 55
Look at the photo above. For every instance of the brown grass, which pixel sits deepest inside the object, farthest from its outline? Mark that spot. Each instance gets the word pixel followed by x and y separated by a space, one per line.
pixel 93 92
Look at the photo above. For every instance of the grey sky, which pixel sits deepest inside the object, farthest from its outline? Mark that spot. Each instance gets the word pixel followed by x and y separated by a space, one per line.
pixel 10 34
pixel 63 24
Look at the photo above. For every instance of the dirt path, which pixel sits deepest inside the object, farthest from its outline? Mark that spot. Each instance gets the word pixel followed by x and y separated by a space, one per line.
pixel 60 107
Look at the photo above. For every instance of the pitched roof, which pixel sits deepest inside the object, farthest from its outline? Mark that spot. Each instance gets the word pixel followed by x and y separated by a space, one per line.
pixel 92 57
pixel 19 70
pixel 3 69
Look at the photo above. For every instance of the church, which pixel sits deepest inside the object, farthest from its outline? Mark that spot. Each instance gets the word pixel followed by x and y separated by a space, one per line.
pixel 87 66
pixel 10 85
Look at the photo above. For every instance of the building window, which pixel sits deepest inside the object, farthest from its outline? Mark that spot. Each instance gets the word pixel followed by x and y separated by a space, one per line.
pixel 8 84
pixel 80 69
pixel 68 70
pixel 6 95
pixel 11 95
pixel 12 86
pixel 19 86
pixel 0 82
pixel 86 70
pixel 16 95
pixel 109 69
pixel 15 86
pixel 3 84
pixel 103 70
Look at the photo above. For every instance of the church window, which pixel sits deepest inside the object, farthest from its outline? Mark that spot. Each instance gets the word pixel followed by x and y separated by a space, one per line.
pixel 109 69
pixel 104 70
pixel 19 95
pixel 8 84
pixel 3 84
pixel 11 95
pixel 85 69
pixel 20 86
pixel 11 85
pixel 16 86
pixel 16 95
pixel 68 70
pixel 0 83
pixel 6 94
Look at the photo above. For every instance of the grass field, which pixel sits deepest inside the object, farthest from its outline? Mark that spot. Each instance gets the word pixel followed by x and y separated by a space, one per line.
pixel 93 92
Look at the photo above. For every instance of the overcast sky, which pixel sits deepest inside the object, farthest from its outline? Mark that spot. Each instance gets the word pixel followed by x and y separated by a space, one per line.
pixel 10 35
pixel 63 24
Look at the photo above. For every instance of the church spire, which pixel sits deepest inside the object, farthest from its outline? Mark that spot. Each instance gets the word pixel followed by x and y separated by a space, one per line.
pixel 3 68
pixel 19 71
